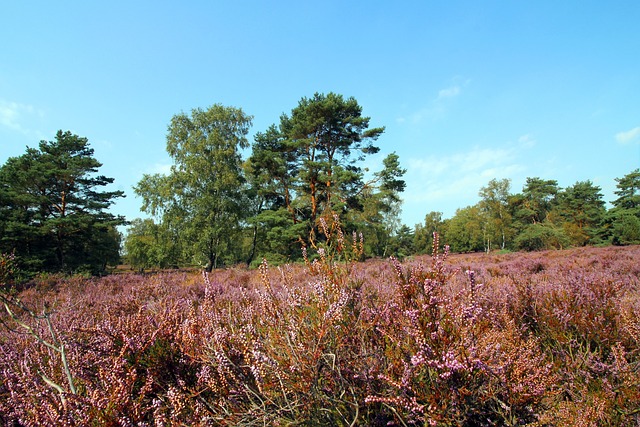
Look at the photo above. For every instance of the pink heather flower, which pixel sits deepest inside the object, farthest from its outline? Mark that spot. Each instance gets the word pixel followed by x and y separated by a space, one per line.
pixel 418 360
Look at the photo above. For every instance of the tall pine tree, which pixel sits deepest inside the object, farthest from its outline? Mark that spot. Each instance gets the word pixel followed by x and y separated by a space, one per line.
pixel 53 215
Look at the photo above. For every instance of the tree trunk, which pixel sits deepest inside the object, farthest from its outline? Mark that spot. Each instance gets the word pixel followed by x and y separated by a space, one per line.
pixel 254 241
pixel 211 261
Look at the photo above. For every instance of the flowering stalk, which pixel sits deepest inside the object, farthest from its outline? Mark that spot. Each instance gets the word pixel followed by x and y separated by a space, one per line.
pixel 9 301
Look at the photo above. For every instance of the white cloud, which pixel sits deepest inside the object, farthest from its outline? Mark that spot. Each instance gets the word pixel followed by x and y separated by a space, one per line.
pixel 474 160
pixel 436 108
pixel 428 113
pixel 449 92
pixel 527 141
pixel 14 115
pixel 456 179
pixel 628 136
pixel 161 168
pixel 10 113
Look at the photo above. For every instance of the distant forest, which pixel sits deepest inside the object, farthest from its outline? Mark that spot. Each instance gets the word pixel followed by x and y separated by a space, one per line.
pixel 303 179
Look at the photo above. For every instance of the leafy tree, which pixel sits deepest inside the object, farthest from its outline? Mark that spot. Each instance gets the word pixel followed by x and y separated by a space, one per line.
pixel 325 136
pixel 307 167
pixel 494 206
pixel 628 192
pixel 274 223
pixel 541 236
pixel 150 245
pixel 582 211
pixel 464 232
pixel 52 214
pixel 203 200
pixel 391 185
pixel 377 211
pixel 273 168
pixel 622 222
pixel 423 236
pixel 537 199
pixel 625 229
pixel 401 242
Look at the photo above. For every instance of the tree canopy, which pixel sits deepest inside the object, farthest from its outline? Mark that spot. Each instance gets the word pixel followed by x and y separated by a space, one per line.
pixel 542 216
pixel 203 199
pixel 310 160
pixel 216 207
pixel 53 215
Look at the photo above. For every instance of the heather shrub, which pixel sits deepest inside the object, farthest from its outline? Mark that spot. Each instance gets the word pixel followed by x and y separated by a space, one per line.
pixel 579 308
pixel 451 361
pixel 289 350
pixel 544 338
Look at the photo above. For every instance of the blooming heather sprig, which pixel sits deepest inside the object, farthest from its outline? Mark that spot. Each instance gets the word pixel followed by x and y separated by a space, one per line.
pixel 209 290
pixel 324 228
pixel 409 404
pixel 340 234
pixel 357 247
pixel 472 309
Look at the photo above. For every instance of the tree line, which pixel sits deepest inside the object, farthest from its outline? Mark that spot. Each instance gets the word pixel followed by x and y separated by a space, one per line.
pixel 216 207
pixel 542 216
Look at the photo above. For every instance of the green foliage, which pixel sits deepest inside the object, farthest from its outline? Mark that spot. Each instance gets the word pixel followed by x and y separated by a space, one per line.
pixel 8 270
pixel 308 164
pixel 628 191
pixel 622 223
pixel 149 245
pixel 542 217
pixel 581 209
pixel 203 202
pixel 218 209
pixel 536 201
pixel 464 231
pixel 541 236
pixel 52 215
pixel 625 229
pixel 401 243
pixel 494 207
pixel 376 212
pixel 424 234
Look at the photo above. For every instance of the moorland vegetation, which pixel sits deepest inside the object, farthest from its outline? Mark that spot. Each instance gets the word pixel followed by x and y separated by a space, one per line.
pixel 548 338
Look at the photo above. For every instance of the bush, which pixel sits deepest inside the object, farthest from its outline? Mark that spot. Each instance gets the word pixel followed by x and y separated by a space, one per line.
pixel 626 230
pixel 539 339
pixel 541 236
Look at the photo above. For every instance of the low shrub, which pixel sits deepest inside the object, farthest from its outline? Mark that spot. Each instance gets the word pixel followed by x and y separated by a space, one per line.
pixel 539 339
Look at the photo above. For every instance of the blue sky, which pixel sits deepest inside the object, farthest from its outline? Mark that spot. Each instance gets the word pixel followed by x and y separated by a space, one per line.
pixel 468 90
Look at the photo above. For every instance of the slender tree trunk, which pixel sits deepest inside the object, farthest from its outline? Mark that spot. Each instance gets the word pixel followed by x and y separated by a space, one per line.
pixel 287 202
pixel 211 262
pixel 254 240
pixel 329 176
pixel 314 202
pixel 313 190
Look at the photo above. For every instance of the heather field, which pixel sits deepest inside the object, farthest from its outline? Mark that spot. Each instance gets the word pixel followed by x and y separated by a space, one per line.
pixel 544 339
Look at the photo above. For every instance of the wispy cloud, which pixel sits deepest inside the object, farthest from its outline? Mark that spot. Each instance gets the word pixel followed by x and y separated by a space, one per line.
pixel 161 168
pixel 14 115
pixel 456 179
pixel 474 160
pixel 629 136
pixel 437 106
pixel 527 141
pixel 449 92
